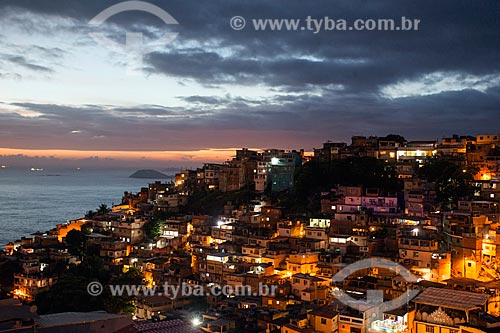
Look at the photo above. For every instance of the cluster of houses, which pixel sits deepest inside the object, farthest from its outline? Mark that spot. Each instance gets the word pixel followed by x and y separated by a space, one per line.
pixel 452 254
pixel 272 169
pixel 482 151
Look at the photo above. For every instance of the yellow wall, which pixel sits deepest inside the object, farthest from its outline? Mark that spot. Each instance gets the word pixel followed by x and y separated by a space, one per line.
pixel 420 327
pixel 331 325
pixel 346 328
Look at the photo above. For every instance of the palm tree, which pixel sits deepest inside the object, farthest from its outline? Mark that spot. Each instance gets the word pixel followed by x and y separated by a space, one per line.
pixel 103 209
pixel 90 214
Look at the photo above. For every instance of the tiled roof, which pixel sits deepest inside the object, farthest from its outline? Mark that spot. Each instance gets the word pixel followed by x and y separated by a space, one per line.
pixel 327 311
pixel 308 277
pixel 170 326
pixel 74 318
pixel 449 298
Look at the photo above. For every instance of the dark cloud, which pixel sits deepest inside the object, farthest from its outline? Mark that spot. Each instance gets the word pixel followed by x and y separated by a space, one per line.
pixel 35 58
pixel 450 32
pixel 44 52
pixel 326 86
pixel 201 99
pixel 305 121
pixel 22 61
pixel 52 163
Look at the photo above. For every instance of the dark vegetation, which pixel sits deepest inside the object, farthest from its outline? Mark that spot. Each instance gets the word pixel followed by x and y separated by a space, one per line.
pixel 70 292
pixel 453 179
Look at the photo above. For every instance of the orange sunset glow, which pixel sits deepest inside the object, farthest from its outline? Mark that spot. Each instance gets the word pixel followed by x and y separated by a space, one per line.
pixel 194 156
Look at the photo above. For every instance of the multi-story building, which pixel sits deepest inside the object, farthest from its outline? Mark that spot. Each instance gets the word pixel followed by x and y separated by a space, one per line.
pixel 419 250
pixel 185 181
pixel 357 321
pixel 485 154
pixel 231 178
pixel 260 177
pixel 210 175
pixel 26 287
pixel 395 321
pixel 129 231
pixel 212 268
pixel 324 319
pixel 406 169
pixel 473 243
pixel 419 196
pixel 113 252
pixel 310 288
pixel 367 199
pixel 455 146
pixel 330 151
pixel 304 263
pixel 417 150
pixel 387 150
pixel 452 311
pixel 280 171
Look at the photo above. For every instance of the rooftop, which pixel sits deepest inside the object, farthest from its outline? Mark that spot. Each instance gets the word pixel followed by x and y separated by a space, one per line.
pixel 176 325
pixel 308 277
pixel 453 299
pixel 66 318
pixel 328 311
pixel 13 309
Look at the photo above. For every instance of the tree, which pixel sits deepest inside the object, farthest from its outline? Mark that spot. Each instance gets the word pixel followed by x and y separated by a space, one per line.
pixel 91 267
pixel 153 229
pixel 75 239
pixel 453 178
pixel 119 304
pixel 133 276
pixel 160 215
pixel 58 268
pixel 90 214
pixel 394 137
pixel 8 269
pixel 352 171
pixel 68 294
pixel 124 304
pixel 86 228
pixel 103 209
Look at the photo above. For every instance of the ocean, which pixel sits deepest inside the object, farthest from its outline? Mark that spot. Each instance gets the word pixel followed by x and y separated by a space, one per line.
pixel 32 201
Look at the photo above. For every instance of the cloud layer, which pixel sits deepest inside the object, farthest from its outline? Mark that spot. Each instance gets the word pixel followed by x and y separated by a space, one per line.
pixel 214 87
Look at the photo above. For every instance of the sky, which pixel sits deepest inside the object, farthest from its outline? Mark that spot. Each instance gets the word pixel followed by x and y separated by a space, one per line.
pixel 66 98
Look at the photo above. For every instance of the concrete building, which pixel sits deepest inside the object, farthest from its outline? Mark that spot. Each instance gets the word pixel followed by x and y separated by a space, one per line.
pixel 452 311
